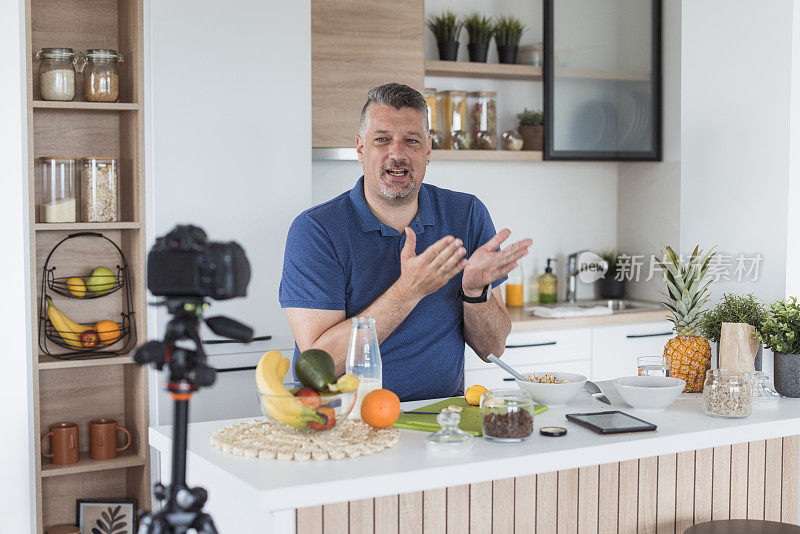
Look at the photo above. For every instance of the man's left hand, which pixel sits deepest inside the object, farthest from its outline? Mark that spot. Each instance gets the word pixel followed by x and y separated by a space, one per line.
pixel 488 264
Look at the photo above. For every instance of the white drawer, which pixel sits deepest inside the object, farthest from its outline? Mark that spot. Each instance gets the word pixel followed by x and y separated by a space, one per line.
pixel 498 378
pixel 615 348
pixel 526 348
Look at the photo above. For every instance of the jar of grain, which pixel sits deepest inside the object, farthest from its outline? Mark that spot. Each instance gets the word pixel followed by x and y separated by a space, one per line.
pixel 455 125
pixel 56 73
pixel 58 203
pixel 727 393
pixel 483 119
pixel 99 190
pixel 101 75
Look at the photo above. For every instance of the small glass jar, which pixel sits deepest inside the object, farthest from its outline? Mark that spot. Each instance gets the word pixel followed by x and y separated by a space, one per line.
pixel 101 75
pixel 56 73
pixel 58 190
pixel 450 439
pixel 433 108
pixel 483 118
pixel 727 393
pixel 454 119
pixel 100 190
pixel 507 415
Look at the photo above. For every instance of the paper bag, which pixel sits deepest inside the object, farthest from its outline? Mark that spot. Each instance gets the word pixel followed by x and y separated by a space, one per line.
pixel 738 346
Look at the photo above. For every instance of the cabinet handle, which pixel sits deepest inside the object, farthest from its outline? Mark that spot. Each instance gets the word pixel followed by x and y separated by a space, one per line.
pixel 235 369
pixel 223 341
pixel 543 344
pixel 509 379
pixel 632 336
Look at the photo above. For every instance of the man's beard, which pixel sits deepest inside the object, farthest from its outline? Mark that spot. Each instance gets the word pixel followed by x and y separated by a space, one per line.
pixel 394 193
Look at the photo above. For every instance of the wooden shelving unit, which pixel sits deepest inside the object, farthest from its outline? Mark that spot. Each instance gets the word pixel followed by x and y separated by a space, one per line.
pixel 114 387
pixel 486 155
pixel 497 71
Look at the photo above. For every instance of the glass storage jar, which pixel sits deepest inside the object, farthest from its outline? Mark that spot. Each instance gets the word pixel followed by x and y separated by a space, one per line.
pixel 101 75
pixel 100 190
pixel 483 119
pixel 507 414
pixel 58 203
pixel 455 125
pixel 727 393
pixel 433 109
pixel 56 73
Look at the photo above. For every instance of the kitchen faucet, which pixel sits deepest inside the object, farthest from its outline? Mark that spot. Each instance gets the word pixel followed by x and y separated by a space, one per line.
pixel 572 274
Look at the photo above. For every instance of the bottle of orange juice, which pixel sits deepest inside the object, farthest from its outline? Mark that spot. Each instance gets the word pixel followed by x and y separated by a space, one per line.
pixel 515 295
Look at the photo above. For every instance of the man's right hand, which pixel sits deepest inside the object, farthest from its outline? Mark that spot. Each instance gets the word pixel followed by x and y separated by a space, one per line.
pixel 422 275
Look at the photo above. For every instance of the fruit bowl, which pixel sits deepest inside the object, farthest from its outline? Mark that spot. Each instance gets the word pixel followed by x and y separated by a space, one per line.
pixel 307 414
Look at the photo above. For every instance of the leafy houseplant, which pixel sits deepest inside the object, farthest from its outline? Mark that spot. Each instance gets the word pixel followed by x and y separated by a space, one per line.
pixel 733 309
pixel 446 28
pixel 507 32
pixel 780 332
pixel 612 285
pixel 531 128
pixel 479 29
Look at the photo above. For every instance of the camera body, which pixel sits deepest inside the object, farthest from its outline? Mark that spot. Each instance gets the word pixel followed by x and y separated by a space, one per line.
pixel 183 263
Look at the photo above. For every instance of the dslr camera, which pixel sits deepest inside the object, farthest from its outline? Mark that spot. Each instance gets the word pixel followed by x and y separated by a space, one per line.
pixel 184 263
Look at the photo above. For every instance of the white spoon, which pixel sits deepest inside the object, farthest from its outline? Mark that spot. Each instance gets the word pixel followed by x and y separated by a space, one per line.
pixel 494 359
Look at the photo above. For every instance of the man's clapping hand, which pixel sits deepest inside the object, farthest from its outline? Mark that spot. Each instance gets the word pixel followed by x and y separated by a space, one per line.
pixel 488 264
pixel 422 274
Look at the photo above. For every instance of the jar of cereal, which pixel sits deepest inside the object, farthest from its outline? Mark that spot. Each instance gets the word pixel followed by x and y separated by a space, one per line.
pixel 101 75
pixel 56 73
pixel 455 125
pixel 100 190
pixel 483 118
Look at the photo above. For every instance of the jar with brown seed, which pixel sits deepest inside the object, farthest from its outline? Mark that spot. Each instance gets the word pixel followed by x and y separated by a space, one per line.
pixel 101 75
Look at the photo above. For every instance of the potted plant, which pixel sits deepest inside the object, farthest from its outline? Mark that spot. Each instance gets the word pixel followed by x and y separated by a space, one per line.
pixel 531 128
pixel 479 30
pixel 507 32
pixel 745 310
pixel 612 285
pixel 780 332
pixel 446 28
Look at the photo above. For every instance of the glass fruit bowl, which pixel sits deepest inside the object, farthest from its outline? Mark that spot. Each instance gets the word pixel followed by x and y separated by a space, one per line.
pixel 308 412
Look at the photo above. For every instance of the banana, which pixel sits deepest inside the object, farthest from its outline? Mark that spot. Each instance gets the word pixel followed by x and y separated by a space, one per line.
pixel 283 366
pixel 69 330
pixel 276 399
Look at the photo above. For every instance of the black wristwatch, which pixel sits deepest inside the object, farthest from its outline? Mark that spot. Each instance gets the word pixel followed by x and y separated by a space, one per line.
pixel 484 297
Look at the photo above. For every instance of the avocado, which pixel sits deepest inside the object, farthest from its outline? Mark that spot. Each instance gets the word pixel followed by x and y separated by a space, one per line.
pixel 314 368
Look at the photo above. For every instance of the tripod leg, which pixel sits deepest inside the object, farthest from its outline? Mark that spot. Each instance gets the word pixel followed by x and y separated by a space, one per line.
pixel 205 525
pixel 151 524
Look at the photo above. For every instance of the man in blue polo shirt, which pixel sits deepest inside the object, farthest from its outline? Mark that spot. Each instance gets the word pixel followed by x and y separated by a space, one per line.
pixel 423 261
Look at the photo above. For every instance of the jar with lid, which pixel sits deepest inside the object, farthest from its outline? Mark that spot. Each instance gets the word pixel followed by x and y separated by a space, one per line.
pixel 455 123
pixel 507 415
pixel 100 190
pixel 483 118
pixel 56 73
pixel 101 75
pixel 58 203
pixel 727 393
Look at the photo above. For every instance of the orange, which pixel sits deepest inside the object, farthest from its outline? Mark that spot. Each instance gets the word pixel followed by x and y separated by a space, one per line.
pixel 473 394
pixel 380 408
pixel 108 332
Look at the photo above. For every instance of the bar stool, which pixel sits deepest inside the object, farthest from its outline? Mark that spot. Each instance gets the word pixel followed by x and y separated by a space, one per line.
pixel 742 526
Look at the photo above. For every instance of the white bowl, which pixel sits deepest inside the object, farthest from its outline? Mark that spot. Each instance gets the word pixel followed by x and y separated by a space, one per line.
pixel 652 393
pixel 553 395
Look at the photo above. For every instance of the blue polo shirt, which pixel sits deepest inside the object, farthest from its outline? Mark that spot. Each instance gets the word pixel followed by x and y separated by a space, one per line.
pixel 339 256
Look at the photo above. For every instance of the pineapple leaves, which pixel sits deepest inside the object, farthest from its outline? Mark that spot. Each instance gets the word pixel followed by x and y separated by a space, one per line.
pixel 686 289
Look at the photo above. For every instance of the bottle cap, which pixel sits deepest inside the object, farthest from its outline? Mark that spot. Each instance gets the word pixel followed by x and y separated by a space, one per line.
pixel 553 431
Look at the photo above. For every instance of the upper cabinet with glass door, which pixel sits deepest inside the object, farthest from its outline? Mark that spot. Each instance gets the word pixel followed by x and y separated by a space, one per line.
pixel 602 79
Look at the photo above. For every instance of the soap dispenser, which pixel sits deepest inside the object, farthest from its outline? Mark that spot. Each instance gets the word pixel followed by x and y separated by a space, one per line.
pixel 548 285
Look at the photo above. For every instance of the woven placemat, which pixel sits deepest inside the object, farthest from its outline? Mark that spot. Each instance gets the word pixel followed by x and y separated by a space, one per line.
pixel 269 440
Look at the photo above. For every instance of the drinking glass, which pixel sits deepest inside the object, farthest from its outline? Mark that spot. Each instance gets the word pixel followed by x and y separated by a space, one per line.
pixel 653 365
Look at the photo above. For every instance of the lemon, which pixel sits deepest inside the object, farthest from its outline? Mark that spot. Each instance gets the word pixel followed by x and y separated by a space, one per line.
pixel 76 287
pixel 473 394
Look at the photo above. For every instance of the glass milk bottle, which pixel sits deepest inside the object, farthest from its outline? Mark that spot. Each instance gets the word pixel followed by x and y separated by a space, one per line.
pixel 364 360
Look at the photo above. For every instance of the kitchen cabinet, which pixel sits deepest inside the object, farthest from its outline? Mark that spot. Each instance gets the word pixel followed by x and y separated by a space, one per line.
pixel 615 348
pixel 356 45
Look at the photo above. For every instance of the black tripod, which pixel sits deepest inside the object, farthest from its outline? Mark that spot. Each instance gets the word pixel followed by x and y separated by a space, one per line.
pixel 188 372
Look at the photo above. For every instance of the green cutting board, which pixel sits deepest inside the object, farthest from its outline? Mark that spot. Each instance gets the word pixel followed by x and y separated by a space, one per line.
pixel 470 416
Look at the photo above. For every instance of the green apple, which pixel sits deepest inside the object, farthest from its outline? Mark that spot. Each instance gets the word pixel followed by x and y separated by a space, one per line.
pixel 101 281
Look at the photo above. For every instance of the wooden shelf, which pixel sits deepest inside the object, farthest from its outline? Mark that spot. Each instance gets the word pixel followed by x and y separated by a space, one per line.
pixel 498 71
pixel 592 74
pixel 486 155
pixel 96 106
pixel 48 362
pixel 87 227
pixel 86 464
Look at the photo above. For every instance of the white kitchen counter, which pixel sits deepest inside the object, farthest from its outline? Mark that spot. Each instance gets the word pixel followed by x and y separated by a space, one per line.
pixel 270 490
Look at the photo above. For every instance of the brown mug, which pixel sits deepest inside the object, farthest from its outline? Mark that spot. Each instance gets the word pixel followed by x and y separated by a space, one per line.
pixel 103 439
pixel 63 443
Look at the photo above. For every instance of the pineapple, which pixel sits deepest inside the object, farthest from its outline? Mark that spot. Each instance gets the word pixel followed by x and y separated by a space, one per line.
pixel 689 352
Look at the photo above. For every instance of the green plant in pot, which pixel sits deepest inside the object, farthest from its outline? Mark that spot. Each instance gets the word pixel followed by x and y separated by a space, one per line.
pixel 507 33
pixel 780 332
pixel 737 309
pixel 531 128
pixel 612 285
pixel 479 29
pixel 446 28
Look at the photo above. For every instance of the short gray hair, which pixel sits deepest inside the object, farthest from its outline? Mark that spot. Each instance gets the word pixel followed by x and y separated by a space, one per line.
pixel 396 95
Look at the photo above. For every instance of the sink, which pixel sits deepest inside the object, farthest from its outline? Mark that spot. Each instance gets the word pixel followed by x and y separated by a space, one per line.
pixel 615 305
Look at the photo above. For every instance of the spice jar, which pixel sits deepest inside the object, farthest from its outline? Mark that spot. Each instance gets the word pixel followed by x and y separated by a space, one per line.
pixel 454 119
pixel 727 393
pixel 99 190
pixel 507 415
pixel 56 73
pixel 58 190
pixel 483 118
pixel 101 75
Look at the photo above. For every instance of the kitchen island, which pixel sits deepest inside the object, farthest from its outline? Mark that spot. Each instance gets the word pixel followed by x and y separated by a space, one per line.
pixel 692 469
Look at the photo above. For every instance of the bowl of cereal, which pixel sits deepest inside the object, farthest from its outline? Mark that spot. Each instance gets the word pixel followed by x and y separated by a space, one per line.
pixel 552 388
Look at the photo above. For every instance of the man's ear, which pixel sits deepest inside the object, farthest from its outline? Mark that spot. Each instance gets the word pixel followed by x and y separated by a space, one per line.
pixel 360 148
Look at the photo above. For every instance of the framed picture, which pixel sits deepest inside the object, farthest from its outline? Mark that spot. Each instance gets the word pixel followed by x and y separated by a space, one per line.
pixel 106 516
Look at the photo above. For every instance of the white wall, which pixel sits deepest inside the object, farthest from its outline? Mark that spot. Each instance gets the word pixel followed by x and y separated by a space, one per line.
pixel 17 497
pixel 793 196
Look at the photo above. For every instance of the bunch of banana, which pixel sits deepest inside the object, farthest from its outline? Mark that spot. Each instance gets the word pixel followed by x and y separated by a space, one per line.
pixel 276 399
pixel 69 330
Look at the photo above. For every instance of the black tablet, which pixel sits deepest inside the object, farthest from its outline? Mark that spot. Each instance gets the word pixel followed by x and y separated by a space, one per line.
pixel 614 422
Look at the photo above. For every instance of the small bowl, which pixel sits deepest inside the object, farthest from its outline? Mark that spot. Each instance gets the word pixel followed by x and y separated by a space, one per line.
pixel 553 395
pixel 649 393
pixel 275 409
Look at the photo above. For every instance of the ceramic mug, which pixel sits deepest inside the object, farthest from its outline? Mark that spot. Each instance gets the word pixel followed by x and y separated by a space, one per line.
pixel 103 439
pixel 63 443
